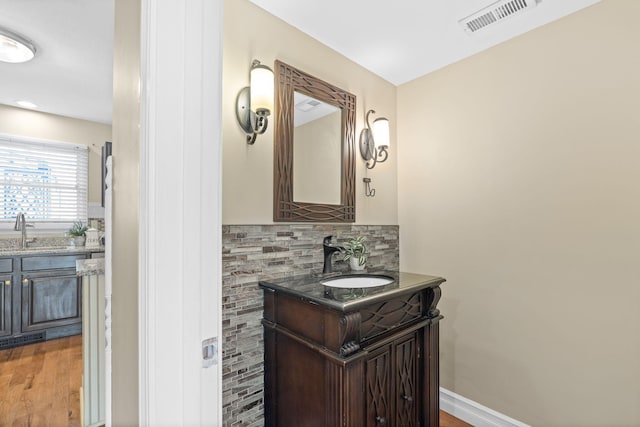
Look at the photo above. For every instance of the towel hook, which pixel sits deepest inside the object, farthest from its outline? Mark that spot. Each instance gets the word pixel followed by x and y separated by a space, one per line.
pixel 368 191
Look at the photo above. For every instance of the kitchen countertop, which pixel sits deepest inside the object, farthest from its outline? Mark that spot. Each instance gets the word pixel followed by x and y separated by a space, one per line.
pixel 346 299
pixel 89 267
pixel 7 252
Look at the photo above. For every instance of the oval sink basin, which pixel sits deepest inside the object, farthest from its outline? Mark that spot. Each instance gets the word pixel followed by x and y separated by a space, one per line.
pixel 357 281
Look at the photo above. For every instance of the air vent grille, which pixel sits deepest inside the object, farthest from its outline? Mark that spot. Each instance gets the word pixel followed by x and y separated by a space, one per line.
pixel 21 340
pixel 495 13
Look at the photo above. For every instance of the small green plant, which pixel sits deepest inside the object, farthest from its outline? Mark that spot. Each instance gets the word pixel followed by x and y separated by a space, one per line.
pixel 78 229
pixel 356 248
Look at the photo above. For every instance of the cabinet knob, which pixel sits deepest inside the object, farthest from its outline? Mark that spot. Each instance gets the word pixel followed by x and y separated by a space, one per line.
pixel 25 281
pixel 408 398
pixel 381 420
pixel 7 282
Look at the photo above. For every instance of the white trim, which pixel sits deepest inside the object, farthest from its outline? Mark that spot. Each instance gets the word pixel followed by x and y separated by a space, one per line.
pixel 108 287
pixel 474 413
pixel 93 349
pixel 209 174
pixel 145 308
pixel 63 144
pixel 180 217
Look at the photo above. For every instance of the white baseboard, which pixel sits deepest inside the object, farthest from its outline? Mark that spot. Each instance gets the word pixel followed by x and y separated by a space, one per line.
pixel 474 413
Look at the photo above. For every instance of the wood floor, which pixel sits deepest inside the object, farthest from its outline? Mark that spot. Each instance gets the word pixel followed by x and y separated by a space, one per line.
pixel 40 385
pixel 447 420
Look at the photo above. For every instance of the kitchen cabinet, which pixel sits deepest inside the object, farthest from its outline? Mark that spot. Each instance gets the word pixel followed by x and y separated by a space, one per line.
pixel 41 297
pixel 6 281
pixel 51 292
pixel 364 357
pixel 50 300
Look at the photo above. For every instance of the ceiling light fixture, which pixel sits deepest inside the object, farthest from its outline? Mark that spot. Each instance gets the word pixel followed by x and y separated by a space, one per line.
pixel 26 104
pixel 14 48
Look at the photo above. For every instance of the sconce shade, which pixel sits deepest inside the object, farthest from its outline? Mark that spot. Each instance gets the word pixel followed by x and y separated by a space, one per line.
pixel 15 49
pixel 380 131
pixel 255 102
pixel 261 89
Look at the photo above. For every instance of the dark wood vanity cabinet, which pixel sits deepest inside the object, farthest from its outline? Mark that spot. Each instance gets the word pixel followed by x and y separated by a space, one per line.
pixel 371 364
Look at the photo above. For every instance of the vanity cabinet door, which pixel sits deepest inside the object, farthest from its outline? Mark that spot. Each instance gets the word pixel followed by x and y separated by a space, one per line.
pixel 379 387
pixel 392 381
pixel 50 300
pixel 6 281
pixel 407 379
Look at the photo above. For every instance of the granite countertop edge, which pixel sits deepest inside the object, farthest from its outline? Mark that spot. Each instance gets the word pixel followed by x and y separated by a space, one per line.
pixel 309 288
pixel 89 267
pixel 9 252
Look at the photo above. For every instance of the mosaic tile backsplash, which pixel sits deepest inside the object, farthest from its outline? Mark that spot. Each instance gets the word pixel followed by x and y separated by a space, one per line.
pixel 251 253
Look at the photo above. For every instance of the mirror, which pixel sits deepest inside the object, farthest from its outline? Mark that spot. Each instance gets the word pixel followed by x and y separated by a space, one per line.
pixel 314 166
pixel 317 150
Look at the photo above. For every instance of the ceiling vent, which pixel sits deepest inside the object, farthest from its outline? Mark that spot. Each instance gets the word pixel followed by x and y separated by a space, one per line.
pixel 495 13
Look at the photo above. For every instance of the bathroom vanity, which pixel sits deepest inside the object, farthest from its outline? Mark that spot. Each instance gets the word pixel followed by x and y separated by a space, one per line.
pixel 352 356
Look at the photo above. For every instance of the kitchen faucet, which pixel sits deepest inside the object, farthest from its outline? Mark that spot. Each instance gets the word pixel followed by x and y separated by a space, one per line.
pixel 21 225
pixel 329 249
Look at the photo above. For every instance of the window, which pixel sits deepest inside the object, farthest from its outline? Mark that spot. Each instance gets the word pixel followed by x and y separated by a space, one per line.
pixel 47 181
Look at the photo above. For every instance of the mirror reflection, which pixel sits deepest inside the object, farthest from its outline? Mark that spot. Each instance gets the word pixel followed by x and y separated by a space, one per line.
pixel 317 150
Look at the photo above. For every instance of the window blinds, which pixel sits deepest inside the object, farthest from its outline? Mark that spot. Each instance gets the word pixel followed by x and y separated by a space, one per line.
pixel 47 181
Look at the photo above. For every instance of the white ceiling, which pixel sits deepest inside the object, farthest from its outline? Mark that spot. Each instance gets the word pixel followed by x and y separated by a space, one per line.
pixel 71 74
pixel 399 41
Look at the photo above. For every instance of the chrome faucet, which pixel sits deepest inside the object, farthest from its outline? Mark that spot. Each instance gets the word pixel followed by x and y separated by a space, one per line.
pixel 329 249
pixel 21 225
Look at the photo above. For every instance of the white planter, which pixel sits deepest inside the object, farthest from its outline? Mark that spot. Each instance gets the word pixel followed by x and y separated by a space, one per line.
pixel 77 241
pixel 354 263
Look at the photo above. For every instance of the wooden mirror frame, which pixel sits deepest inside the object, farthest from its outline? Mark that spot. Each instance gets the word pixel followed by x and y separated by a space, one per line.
pixel 285 209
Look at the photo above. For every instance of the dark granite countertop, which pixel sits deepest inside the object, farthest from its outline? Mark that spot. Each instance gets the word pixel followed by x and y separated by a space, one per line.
pixel 348 299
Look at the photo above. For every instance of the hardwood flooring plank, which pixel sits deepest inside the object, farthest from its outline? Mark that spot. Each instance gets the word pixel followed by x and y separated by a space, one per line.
pixel 448 420
pixel 39 384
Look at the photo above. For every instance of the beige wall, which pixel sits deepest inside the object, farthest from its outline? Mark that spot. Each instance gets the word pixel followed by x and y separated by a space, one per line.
pixel 522 188
pixel 34 124
pixel 251 33
pixel 126 202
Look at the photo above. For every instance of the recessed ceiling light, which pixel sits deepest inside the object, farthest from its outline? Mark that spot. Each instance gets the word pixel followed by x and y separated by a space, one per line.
pixel 14 48
pixel 26 104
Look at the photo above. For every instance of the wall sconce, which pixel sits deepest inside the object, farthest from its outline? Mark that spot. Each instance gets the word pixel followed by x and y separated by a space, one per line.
pixel 374 141
pixel 15 49
pixel 255 102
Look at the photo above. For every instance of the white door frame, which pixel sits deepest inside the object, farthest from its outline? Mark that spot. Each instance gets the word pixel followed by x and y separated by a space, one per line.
pixel 180 216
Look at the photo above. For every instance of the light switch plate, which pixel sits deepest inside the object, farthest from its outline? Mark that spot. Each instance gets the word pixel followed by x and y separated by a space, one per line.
pixel 209 352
